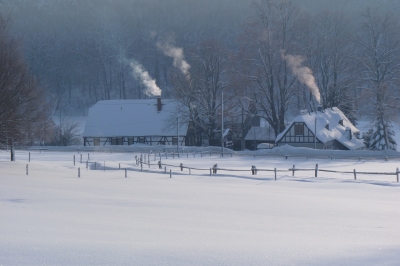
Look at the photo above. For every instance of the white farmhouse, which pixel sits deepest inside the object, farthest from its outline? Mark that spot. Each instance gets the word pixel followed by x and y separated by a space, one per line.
pixel 126 122
pixel 326 129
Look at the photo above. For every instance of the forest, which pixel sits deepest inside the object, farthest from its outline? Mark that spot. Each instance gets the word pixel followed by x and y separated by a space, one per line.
pixel 269 58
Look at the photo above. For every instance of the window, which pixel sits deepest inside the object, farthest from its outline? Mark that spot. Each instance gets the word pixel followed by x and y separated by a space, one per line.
pixel 113 141
pixel 130 140
pixel 141 139
pixel 174 141
pixel 299 129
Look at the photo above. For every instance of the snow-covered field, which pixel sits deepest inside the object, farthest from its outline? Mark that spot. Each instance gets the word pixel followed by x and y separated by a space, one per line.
pixel 52 217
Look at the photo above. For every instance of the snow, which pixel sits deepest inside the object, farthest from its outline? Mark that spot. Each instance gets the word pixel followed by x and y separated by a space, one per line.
pixel 330 116
pixel 115 118
pixel 52 217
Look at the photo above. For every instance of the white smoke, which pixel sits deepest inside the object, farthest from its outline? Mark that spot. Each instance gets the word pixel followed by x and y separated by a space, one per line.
pixel 303 74
pixel 140 73
pixel 177 54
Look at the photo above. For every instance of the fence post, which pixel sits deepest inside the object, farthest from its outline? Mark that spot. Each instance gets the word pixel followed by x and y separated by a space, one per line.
pixel 29 157
pixel 181 166
pixel 210 153
pixel 170 173
pixel 81 157
pixel 210 171
pixel 87 164
pixel 275 173
pixel 355 174
pixel 187 154
pixel 141 167
pixel 316 170
pixel 27 169
pixel 293 170
pixel 190 172
pixel 119 166
pixel 79 172
pixel 397 174
pixel 126 174
pixel 286 157
pixel 74 160
pixel 159 154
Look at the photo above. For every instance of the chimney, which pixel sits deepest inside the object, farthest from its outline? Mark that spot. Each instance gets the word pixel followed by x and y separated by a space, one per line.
pixel 159 104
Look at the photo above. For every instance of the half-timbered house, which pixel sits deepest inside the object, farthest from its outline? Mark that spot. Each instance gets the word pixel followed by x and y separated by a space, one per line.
pixel 127 122
pixel 325 129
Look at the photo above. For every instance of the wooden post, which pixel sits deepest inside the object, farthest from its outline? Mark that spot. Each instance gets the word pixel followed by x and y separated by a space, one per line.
pixel 79 172
pixel 119 166
pixel 187 154
pixel 29 157
pixel 81 158
pixel 126 175
pixel 165 169
pixel 397 174
pixel 293 170
pixel 286 157
pixel 27 169
pixel 170 173
pixel 189 172
pixel 355 174
pixel 210 171
pixel 275 173
pixel 141 167
pixel 87 164
pixel 316 170
pixel 74 160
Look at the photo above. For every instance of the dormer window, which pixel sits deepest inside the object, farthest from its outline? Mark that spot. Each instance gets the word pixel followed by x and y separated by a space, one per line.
pixel 327 126
pixel 341 122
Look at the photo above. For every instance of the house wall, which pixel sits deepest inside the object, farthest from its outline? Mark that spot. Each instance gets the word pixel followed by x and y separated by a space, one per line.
pixel 150 140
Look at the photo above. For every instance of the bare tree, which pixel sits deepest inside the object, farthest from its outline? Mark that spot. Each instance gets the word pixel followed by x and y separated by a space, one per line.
pixel 22 101
pixel 266 41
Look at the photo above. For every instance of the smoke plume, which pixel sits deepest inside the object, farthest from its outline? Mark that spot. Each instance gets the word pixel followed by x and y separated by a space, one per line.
pixel 177 54
pixel 140 73
pixel 303 74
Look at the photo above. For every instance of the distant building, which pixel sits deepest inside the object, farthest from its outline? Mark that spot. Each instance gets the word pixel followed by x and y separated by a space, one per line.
pixel 260 132
pixel 325 129
pixel 126 122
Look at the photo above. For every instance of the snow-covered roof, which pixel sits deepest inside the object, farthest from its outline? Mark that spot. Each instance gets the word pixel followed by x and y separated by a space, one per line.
pixel 336 131
pixel 115 118
pixel 260 133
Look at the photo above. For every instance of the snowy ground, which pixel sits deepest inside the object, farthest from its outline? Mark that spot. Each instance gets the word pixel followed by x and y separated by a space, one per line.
pixel 52 217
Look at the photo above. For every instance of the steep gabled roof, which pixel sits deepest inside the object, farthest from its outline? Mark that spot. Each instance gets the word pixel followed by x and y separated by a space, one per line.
pixel 336 131
pixel 115 118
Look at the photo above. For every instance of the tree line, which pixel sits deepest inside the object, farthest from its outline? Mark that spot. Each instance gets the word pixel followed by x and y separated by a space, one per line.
pixel 270 58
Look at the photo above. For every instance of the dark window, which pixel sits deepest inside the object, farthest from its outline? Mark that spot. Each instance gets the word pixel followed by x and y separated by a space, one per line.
pixel 120 141
pixel 341 122
pixel 175 141
pixel 141 139
pixel 299 129
pixel 130 140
